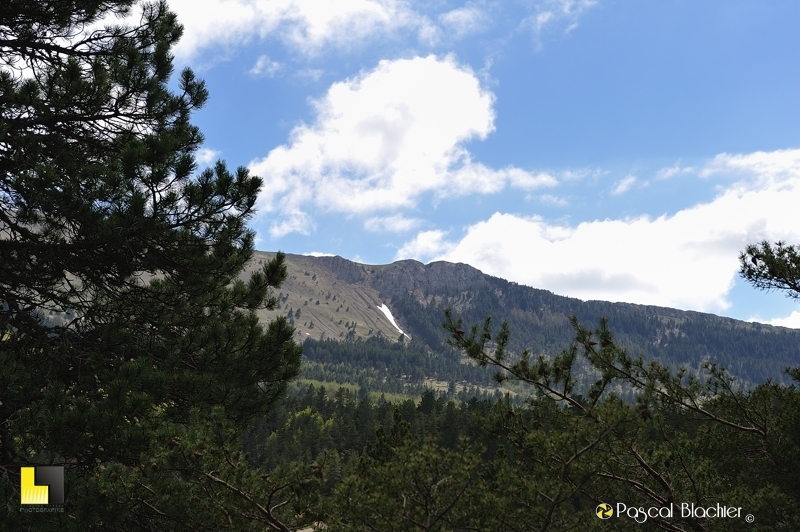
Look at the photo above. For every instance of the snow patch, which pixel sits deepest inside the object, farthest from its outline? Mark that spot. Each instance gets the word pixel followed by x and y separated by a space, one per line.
pixel 388 313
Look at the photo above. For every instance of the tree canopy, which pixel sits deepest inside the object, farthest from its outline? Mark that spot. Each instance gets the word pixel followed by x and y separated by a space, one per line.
pixel 131 352
pixel 772 267
pixel 124 323
pixel 687 438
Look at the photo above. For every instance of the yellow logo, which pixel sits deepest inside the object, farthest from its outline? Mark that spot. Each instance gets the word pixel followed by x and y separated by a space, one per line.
pixel 604 511
pixel 50 487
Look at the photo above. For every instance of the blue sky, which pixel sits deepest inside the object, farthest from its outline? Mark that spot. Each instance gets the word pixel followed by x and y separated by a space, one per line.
pixel 615 150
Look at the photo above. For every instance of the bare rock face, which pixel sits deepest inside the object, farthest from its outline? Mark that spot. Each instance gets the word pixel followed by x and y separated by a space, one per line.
pixel 454 277
pixel 438 277
pixel 399 278
pixel 334 298
pixel 347 271
pixel 405 276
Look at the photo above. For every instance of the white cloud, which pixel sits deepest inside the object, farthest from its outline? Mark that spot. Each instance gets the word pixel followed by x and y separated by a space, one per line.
pixel 305 26
pixel 318 254
pixel 582 173
pixel 689 260
pixel 464 21
pixel 541 19
pixel 756 169
pixel 672 171
pixel 292 221
pixel 383 139
pixel 791 321
pixel 553 200
pixel 425 245
pixel 623 185
pixel 551 14
pixel 396 223
pixel 265 66
pixel 206 155
pixel 213 28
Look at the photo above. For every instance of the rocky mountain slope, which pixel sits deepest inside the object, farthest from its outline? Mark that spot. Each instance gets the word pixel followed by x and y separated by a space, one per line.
pixel 333 298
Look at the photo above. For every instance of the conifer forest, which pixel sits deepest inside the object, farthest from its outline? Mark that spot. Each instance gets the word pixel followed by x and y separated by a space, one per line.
pixel 148 349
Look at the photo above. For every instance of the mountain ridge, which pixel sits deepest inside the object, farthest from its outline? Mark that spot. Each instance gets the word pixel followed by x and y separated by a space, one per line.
pixel 330 297
pixel 410 275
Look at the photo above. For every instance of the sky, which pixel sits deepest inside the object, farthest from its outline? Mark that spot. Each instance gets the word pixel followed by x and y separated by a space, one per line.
pixel 600 149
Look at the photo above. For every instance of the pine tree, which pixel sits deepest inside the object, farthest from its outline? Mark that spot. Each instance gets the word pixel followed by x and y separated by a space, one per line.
pixel 772 267
pixel 123 317
pixel 682 437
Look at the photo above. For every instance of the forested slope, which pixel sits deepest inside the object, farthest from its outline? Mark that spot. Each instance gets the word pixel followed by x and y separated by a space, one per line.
pixel 333 298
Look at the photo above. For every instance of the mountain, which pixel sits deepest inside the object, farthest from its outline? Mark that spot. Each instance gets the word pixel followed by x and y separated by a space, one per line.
pixel 331 298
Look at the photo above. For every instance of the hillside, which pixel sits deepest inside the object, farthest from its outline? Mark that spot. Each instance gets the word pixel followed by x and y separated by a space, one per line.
pixel 333 298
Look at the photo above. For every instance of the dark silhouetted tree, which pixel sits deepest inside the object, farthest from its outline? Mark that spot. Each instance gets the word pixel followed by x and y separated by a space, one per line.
pixel 123 320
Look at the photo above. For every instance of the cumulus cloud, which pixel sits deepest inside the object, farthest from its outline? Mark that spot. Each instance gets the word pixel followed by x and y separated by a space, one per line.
pixel 792 321
pixel 304 26
pixel 384 138
pixel 425 245
pixel 758 169
pixel 309 28
pixel 292 221
pixel 688 260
